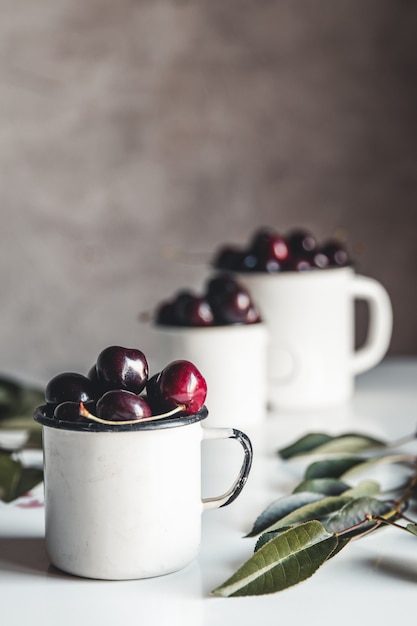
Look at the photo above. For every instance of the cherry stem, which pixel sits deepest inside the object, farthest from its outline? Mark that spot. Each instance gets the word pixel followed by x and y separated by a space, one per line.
pixel 85 413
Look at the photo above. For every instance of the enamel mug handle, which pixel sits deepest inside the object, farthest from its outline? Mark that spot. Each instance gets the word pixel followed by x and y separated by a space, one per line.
pixel 380 323
pixel 236 488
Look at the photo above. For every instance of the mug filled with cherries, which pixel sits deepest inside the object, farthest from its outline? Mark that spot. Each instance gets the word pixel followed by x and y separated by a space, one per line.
pixel 305 291
pixel 221 330
pixel 122 466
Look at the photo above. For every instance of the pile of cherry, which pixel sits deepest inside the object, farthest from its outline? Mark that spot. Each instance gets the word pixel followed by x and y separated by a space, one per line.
pixel 270 251
pixel 224 301
pixel 118 389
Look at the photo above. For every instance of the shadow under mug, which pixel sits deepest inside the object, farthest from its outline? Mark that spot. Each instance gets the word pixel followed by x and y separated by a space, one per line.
pixel 311 320
pixel 232 358
pixel 126 503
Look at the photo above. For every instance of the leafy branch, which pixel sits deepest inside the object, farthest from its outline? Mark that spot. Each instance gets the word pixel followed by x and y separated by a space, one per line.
pixel 17 405
pixel 299 532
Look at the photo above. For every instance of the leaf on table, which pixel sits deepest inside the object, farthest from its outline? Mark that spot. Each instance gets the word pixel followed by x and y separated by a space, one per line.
pixel 367 464
pixel 9 396
pixel 322 443
pixel 412 528
pixel 305 444
pixel 17 405
pixel 18 399
pixel 354 516
pixel 280 508
pixel 325 486
pixel 30 399
pixel 319 510
pixel 364 488
pixel 349 444
pixel 15 479
pixel 285 560
pixel 332 468
pixel 267 536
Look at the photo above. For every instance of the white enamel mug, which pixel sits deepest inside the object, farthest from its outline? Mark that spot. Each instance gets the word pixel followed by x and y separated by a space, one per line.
pixel 126 503
pixel 310 314
pixel 232 359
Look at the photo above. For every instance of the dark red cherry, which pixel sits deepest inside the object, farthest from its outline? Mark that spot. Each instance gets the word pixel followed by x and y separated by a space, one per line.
pixel 253 316
pixel 165 314
pixel 300 242
pixel 71 387
pixel 269 248
pixel 229 258
pixel 198 312
pixel 153 395
pixel 119 404
pixel 320 260
pixel 181 384
pixel 70 411
pixel 299 264
pixel 181 300
pixel 229 300
pixel 336 253
pixel 122 368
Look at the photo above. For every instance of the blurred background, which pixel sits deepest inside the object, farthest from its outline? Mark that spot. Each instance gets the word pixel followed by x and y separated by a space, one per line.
pixel 138 136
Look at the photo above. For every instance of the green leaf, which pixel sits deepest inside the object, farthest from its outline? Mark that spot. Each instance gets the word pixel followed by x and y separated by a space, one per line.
pixel 319 510
pixel 29 478
pixel 332 468
pixel 15 479
pixel 267 536
pixel 280 508
pixel 286 560
pixel 354 516
pixel 366 464
pixel 17 399
pixel 17 405
pixel 322 443
pixel 349 444
pixel 304 445
pixel 364 488
pixel 412 528
pixel 325 486
pixel 9 396
pixel 30 399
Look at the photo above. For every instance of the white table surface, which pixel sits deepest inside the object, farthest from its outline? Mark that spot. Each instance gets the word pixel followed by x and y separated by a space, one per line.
pixel 373 580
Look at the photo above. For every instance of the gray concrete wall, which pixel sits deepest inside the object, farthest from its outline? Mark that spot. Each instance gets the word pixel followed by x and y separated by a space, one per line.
pixel 131 131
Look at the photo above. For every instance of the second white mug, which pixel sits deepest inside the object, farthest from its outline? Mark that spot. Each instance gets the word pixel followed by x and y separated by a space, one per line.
pixel 232 359
pixel 311 321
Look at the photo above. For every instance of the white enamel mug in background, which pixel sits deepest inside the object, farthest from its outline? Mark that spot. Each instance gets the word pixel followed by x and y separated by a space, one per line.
pixel 233 361
pixel 126 503
pixel 310 315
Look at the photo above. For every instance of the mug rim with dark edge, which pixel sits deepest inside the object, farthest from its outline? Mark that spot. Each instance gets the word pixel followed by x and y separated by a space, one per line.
pixel 41 417
pixel 288 272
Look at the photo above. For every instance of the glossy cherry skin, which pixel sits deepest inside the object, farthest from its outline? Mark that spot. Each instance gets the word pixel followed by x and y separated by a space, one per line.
pixel 70 411
pixel 270 249
pixel 119 404
pixel 336 253
pixel 229 300
pixel 300 243
pixel 71 387
pixel 165 314
pixel 198 312
pixel 153 395
pixel 122 368
pixel 181 384
pixel 229 258
pixel 181 301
